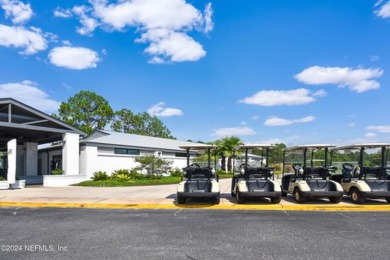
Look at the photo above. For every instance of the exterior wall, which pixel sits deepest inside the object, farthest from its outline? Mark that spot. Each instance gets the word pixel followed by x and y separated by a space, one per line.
pixel 88 160
pixel 31 159
pixel 70 154
pixel 62 180
pixel 94 159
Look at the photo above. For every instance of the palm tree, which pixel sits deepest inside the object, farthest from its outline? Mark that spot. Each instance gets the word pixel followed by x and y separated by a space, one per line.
pixel 228 147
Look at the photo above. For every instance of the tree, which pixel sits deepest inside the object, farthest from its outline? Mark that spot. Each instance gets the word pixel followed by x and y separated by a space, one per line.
pixel 228 147
pixel 142 124
pixel 86 110
pixel 153 165
pixel 276 154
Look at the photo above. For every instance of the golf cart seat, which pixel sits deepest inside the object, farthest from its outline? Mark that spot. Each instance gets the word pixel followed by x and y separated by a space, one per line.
pixel 370 172
pixel 257 172
pixel 194 172
pixel 317 173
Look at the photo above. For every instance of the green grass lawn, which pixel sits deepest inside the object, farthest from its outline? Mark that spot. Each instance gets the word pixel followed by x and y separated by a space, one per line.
pixel 142 182
pixel 120 183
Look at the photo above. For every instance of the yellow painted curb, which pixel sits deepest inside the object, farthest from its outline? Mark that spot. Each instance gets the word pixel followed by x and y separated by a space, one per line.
pixel 279 207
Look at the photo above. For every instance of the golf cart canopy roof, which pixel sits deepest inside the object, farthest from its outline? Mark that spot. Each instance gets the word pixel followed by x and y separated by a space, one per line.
pixel 257 146
pixel 309 146
pixel 198 147
pixel 359 146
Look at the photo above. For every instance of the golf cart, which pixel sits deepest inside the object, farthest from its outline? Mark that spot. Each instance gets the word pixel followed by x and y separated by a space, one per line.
pixel 311 181
pixel 363 180
pixel 255 182
pixel 198 182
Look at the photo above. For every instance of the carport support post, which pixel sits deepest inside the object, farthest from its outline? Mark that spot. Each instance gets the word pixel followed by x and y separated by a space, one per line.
pixel 188 157
pixel 383 156
pixel 246 156
pixel 70 154
pixel 208 156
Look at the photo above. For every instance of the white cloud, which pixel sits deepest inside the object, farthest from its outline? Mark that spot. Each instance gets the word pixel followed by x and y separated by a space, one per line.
pixel 88 23
pixel 16 10
pixel 208 22
pixel 255 118
pixel 379 128
pixel 384 9
pixel 352 124
pixel 236 131
pixel 30 40
pixel 171 46
pixel 163 24
pixel 28 93
pixel 358 80
pixel 369 135
pixel 159 109
pixel 62 13
pixel 293 97
pixel 76 58
pixel 277 121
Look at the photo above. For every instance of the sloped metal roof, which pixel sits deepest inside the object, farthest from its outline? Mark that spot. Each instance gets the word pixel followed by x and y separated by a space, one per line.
pixel 139 141
pixel 27 124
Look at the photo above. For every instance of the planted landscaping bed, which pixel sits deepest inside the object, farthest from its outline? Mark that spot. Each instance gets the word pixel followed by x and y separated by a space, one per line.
pixel 124 183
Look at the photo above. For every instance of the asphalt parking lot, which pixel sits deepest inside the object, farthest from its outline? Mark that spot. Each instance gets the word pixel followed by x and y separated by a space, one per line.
pixel 162 196
pixel 29 233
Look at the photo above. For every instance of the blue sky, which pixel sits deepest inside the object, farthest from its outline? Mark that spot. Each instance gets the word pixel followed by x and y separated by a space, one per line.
pixel 287 71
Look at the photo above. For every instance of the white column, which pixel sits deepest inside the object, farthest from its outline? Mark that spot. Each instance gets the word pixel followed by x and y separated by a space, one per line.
pixel 11 172
pixel 88 160
pixel 31 159
pixel 70 154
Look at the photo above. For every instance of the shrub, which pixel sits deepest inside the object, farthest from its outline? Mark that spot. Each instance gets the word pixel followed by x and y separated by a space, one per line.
pixel 130 174
pixel 100 176
pixel 221 172
pixel 121 177
pixel 2 179
pixel 56 172
pixel 153 165
pixel 176 172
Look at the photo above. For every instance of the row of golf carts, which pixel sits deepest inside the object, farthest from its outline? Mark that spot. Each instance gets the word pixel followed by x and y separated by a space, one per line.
pixel 309 171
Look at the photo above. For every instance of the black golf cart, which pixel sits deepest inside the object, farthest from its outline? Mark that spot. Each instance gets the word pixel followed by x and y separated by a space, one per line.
pixel 255 182
pixel 198 181
pixel 362 179
pixel 311 181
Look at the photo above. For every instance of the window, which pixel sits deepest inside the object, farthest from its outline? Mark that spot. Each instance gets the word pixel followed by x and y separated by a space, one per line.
pixel 180 155
pixel 127 151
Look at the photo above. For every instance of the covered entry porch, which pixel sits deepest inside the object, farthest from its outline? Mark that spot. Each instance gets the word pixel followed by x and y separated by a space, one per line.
pixel 22 130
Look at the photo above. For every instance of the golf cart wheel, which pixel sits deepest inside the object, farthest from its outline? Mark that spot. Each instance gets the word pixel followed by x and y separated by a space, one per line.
pixel 335 199
pixel 232 187
pixel 388 200
pixel 276 200
pixel 239 199
pixel 298 196
pixel 357 196
pixel 284 194
pixel 216 201
pixel 180 199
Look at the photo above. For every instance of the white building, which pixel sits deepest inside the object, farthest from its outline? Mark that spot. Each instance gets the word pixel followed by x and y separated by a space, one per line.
pixel 27 135
pixel 109 151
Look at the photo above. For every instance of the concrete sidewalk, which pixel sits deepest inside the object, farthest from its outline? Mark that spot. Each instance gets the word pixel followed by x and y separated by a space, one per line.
pixel 162 196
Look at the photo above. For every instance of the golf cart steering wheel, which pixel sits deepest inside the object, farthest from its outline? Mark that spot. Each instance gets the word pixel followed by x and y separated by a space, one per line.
pixel 194 165
pixel 243 165
pixel 297 166
pixel 348 166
